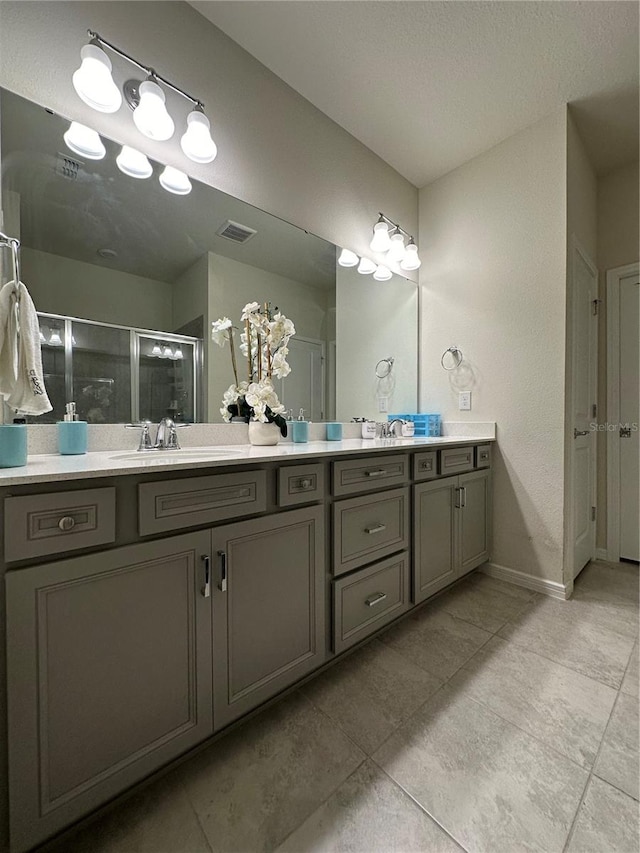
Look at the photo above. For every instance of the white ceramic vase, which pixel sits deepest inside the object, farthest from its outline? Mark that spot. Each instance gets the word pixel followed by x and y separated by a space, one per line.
pixel 263 434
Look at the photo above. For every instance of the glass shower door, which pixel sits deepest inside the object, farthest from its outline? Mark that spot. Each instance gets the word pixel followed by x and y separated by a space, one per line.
pixel 101 372
pixel 166 376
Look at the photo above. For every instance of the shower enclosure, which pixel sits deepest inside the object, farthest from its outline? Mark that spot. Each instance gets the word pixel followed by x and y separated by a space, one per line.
pixel 117 374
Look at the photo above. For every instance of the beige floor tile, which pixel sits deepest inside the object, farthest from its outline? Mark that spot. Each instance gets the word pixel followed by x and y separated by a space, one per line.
pixel 482 604
pixel 369 814
pixel 566 710
pixel 613 582
pixel 607 822
pixel 254 787
pixel 435 640
pixel 565 632
pixel 630 681
pixel 618 761
pixel 371 692
pixel 490 785
pixel 159 819
pixel 487 582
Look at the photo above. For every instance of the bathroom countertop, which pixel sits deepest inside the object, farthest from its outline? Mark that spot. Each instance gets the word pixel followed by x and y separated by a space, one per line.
pixel 51 467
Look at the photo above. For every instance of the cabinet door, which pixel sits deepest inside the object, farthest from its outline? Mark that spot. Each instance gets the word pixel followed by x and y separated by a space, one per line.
pixel 269 607
pixel 474 539
pixel 109 676
pixel 434 537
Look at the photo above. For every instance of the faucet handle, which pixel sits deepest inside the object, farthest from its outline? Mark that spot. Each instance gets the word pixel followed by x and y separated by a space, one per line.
pixel 172 442
pixel 145 436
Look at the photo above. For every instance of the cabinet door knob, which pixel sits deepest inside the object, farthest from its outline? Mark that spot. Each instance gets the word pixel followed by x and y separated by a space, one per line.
pixel 375 599
pixel 66 523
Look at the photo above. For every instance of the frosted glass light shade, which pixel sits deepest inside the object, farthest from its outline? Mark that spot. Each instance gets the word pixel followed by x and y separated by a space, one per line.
pixel 382 273
pixel 381 241
pixel 156 351
pixel 196 142
pixel 178 353
pixel 366 267
pixel 411 260
pixel 134 163
pixel 168 353
pixel 84 141
pixel 174 181
pixel 54 339
pixel 348 258
pixel 151 116
pixel 396 249
pixel 93 81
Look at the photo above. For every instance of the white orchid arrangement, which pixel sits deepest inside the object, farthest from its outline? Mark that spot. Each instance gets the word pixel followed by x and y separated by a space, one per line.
pixel 264 343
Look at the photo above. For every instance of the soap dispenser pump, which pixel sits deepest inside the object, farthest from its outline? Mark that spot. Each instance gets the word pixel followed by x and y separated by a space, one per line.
pixel 72 433
pixel 300 429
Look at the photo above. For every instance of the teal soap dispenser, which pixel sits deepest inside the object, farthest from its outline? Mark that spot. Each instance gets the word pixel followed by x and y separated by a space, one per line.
pixel 13 444
pixel 72 433
pixel 300 429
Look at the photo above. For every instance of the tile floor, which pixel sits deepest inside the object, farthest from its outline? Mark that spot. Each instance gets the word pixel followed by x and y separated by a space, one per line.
pixel 493 720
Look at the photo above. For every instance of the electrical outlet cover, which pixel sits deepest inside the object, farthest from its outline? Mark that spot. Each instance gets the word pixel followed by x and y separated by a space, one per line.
pixel 464 401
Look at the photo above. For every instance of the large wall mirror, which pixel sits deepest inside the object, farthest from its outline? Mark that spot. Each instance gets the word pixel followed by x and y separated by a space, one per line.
pixel 128 277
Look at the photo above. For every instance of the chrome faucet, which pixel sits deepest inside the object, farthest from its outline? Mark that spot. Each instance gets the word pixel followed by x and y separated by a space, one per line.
pixel 166 435
pixel 387 428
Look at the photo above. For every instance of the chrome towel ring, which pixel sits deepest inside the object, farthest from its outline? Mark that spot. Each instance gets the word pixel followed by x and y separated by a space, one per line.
pixel 455 358
pixel 384 367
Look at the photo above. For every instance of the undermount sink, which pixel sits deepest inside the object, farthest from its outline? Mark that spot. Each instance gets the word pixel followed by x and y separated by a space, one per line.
pixel 176 455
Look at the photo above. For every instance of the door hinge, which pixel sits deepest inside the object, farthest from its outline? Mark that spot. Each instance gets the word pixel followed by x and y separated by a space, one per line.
pixel 593 513
pixel 595 303
pixel 594 410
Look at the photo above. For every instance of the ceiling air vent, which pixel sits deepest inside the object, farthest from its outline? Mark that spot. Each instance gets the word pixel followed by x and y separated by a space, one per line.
pixel 235 231
pixel 67 167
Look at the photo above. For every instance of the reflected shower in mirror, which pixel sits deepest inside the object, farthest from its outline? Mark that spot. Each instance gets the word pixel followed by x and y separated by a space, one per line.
pixel 148 271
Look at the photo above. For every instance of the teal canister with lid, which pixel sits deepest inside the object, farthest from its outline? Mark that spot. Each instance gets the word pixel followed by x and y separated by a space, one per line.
pixel 72 433
pixel 13 444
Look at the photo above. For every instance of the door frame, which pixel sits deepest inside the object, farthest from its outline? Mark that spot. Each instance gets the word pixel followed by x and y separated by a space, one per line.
pixel 614 277
pixel 323 364
pixel 569 572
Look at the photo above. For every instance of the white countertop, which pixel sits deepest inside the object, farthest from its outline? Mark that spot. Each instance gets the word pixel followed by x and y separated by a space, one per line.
pixel 50 467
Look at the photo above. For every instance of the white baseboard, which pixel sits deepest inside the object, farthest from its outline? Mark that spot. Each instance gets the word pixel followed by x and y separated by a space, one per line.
pixel 552 588
pixel 602 554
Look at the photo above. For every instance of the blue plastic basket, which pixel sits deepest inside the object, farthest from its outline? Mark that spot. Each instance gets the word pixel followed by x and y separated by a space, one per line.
pixel 425 424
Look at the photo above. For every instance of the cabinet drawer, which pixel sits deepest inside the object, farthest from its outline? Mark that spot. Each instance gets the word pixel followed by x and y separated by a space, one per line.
pixel 300 484
pixel 368 599
pixel 40 525
pixel 175 504
pixel 425 465
pixel 360 475
pixel 368 528
pixel 483 456
pixel 456 460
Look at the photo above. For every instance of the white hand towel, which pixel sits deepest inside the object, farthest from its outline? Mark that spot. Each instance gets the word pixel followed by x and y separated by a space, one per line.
pixel 21 378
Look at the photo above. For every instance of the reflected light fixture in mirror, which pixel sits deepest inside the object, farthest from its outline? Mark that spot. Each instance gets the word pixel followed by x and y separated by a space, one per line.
pixel 134 163
pixel 84 141
pixel 382 273
pixel 348 258
pixel 174 181
pixel 156 352
pixel 93 81
pixel 366 267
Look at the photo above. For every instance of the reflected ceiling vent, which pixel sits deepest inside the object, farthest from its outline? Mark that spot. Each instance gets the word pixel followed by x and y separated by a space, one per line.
pixel 235 231
pixel 67 167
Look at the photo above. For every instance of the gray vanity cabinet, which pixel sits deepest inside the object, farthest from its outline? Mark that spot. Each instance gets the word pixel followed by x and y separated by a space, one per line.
pixel 474 518
pixel 268 585
pixel 109 676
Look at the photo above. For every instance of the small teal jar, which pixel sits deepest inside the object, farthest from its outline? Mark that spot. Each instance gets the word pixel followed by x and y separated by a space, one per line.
pixel 334 432
pixel 300 432
pixel 72 437
pixel 13 445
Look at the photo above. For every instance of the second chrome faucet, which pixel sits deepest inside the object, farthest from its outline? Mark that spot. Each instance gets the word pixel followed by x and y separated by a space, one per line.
pixel 166 435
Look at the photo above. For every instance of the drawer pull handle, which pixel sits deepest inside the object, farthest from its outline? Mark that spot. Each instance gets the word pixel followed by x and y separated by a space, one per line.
pixel 378 472
pixel 305 483
pixel 426 466
pixel 377 528
pixel 206 589
pixel 375 599
pixel 66 523
pixel 222 586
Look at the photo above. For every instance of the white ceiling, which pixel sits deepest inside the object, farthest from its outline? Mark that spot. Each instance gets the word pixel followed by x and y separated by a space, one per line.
pixel 429 85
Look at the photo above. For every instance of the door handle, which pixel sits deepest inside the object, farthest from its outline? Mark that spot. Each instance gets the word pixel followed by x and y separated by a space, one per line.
pixel 206 589
pixel 458 499
pixel 463 495
pixel 222 586
pixel 577 432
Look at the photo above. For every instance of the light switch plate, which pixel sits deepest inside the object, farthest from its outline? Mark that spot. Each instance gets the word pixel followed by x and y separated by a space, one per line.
pixel 464 401
pixel 383 404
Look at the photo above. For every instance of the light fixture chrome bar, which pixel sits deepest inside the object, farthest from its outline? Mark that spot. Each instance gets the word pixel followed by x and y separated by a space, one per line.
pixel 150 72
pixel 395 224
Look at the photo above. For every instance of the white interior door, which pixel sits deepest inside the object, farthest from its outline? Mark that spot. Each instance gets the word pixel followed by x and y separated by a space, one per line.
pixel 627 432
pixel 304 387
pixel 583 397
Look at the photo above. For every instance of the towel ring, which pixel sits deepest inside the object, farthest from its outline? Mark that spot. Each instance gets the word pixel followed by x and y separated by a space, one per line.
pixel 383 372
pixel 456 355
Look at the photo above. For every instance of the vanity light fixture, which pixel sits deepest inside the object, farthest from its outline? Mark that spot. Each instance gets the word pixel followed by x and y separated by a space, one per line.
pixel 396 249
pixel 84 141
pixel 54 338
pixel 389 237
pixel 348 258
pixel 156 352
pixel 366 267
pixel 134 163
pixel 93 81
pixel 381 241
pixel 411 260
pixel 94 84
pixel 174 181
pixel 177 355
pixel 168 352
pixel 382 273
